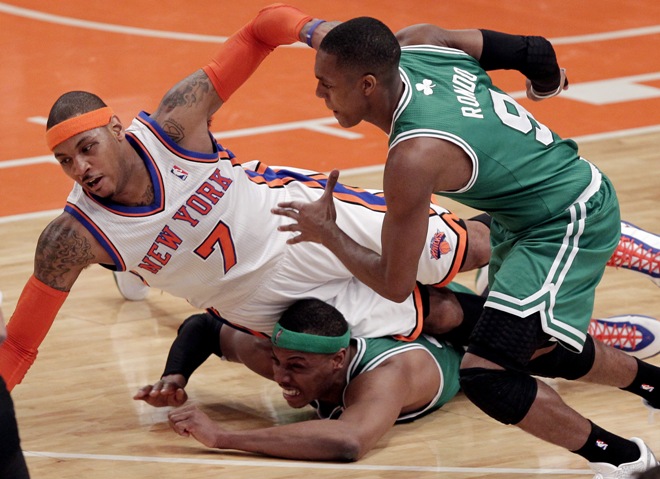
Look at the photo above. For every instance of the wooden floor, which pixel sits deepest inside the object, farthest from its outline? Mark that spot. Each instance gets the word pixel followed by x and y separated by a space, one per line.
pixel 75 412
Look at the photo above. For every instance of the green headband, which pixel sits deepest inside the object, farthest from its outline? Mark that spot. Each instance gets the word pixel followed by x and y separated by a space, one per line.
pixel 309 343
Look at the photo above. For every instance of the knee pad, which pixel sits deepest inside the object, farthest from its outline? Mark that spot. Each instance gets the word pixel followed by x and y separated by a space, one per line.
pixel 504 395
pixel 562 363
pixel 506 339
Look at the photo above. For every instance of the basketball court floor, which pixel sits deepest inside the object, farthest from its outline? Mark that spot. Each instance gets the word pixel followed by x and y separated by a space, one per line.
pixel 74 408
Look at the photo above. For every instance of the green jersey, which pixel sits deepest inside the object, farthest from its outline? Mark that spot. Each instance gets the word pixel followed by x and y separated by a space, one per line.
pixel 371 352
pixel 523 173
pixel 555 215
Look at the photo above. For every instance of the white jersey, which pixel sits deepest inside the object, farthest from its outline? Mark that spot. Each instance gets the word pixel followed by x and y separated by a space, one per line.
pixel 209 237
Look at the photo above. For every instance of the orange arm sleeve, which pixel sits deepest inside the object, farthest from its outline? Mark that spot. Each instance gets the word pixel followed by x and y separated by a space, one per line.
pixel 34 315
pixel 242 53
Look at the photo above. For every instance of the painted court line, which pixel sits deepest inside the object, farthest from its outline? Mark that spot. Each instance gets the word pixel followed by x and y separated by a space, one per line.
pixel 194 37
pixel 323 125
pixel 345 172
pixel 318 125
pixel 615 35
pixel 107 27
pixel 304 465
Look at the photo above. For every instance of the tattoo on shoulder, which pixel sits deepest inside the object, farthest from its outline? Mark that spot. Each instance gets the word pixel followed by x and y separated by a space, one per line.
pixel 186 94
pixel 60 250
pixel 189 91
pixel 174 130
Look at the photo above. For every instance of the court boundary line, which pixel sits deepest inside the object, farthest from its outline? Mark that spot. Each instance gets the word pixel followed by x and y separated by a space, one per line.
pixel 326 126
pixel 114 28
pixel 194 37
pixel 301 464
pixel 347 171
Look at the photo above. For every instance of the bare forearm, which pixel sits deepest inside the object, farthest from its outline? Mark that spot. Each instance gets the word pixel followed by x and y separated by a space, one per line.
pixel 310 440
pixel 370 267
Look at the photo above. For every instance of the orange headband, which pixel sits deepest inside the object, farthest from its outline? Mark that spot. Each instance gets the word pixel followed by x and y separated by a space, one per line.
pixel 73 126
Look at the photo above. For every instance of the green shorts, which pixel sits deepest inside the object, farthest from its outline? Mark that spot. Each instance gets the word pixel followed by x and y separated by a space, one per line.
pixel 553 268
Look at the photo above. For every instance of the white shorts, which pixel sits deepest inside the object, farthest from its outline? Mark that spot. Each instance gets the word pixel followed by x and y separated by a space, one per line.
pixel 310 270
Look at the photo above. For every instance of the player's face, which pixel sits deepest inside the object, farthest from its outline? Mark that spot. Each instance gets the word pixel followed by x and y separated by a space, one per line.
pixel 90 158
pixel 341 90
pixel 303 377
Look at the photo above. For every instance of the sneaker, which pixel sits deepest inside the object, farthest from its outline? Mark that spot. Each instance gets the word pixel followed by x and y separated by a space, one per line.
pixel 627 470
pixel 638 250
pixel 130 285
pixel 636 335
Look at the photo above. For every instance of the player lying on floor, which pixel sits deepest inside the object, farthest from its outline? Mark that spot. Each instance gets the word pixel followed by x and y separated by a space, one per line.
pixel 162 199
pixel 315 361
pixel 312 358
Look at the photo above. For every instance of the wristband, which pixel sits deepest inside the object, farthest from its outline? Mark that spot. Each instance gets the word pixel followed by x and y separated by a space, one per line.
pixel 310 32
pixel 549 94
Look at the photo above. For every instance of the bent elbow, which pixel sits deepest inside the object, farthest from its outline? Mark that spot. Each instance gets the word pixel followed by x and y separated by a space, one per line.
pixel 396 284
pixel 349 450
pixel 398 293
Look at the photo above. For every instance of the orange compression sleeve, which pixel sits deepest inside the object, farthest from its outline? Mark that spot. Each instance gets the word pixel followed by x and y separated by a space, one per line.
pixel 242 53
pixel 34 315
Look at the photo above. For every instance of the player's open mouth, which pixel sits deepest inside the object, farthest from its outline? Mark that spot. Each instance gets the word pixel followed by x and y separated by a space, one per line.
pixel 290 392
pixel 93 183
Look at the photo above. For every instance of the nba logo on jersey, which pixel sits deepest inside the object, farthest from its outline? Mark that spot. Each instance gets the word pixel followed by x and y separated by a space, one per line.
pixel 601 444
pixel 439 245
pixel 179 172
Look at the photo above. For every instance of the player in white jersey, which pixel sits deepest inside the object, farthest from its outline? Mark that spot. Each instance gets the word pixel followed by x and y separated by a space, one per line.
pixel 203 238
pixel 164 200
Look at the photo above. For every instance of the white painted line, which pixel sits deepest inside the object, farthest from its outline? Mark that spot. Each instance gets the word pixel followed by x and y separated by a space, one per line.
pixel 614 90
pixel 612 135
pixel 35 160
pixel 304 464
pixel 335 131
pixel 318 124
pixel 599 37
pixel 194 37
pixel 347 171
pixel 38 120
pixel 107 27
pixel 30 216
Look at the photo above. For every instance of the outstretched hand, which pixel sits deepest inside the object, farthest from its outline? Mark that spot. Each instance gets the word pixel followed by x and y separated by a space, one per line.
pixel 190 421
pixel 313 221
pixel 536 96
pixel 166 392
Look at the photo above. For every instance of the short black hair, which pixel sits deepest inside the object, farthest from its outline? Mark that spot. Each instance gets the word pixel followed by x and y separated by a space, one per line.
pixel 72 104
pixel 363 43
pixel 313 316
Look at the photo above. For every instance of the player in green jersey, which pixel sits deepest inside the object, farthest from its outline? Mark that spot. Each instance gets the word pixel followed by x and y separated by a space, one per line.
pixel 366 384
pixel 555 216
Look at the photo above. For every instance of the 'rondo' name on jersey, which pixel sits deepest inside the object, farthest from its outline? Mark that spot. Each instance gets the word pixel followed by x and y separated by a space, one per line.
pixel 464 88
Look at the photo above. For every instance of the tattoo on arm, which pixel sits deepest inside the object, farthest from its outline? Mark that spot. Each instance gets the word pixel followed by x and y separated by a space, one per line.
pixel 60 251
pixel 188 93
pixel 174 130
